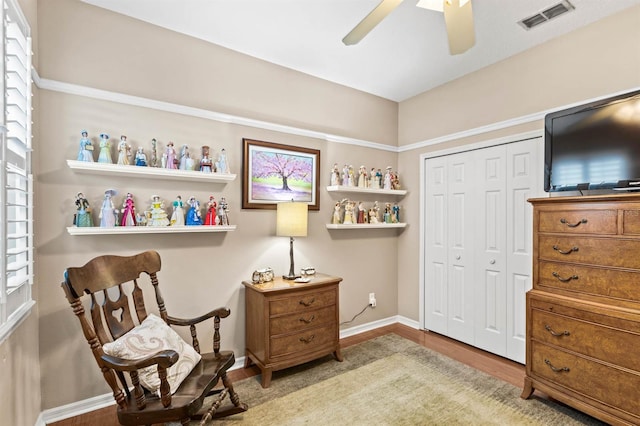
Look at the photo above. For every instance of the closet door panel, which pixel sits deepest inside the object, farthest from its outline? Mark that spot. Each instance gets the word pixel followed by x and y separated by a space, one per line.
pixel 460 231
pixel 524 161
pixel 490 265
pixel 436 278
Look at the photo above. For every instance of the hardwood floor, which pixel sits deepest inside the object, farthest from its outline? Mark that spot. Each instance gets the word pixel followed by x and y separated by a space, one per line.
pixel 499 367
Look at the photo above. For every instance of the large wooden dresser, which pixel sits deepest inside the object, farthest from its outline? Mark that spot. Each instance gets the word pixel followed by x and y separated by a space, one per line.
pixel 289 323
pixel 583 313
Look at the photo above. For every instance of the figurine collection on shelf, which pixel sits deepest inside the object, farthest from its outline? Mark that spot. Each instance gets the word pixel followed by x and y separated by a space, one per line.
pixel 216 213
pixel 373 179
pixel 348 212
pixel 169 159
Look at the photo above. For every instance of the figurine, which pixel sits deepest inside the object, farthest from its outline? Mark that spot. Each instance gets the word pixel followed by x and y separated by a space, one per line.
pixel 211 217
pixel 335 219
pixel 124 151
pixel 373 181
pixel 206 164
pixel 386 218
pixel 373 213
pixel 395 181
pixel 222 166
pixel 177 217
pixel 108 214
pixel 395 213
pixel 348 213
pixel 169 159
pixel 223 210
pixel 128 212
pixel 141 157
pixel 345 175
pixel 362 178
pixel 352 176
pixel 86 148
pixel 362 213
pixel 105 149
pixel 186 162
pixel 335 175
pixel 154 153
pixel 379 177
pixel 82 217
pixel 388 177
pixel 157 215
pixel 193 214
pixel 141 219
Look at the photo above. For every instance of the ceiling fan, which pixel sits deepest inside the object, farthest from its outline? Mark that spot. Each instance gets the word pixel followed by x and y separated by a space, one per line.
pixel 458 18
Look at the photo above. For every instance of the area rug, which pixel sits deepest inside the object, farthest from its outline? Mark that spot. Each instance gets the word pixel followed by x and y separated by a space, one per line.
pixel 390 380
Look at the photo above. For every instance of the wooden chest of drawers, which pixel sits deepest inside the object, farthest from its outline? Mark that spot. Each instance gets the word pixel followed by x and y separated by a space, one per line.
pixel 583 313
pixel 290 323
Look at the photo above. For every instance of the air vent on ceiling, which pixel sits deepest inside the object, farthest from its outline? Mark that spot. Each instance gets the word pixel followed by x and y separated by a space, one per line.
pixel 546 15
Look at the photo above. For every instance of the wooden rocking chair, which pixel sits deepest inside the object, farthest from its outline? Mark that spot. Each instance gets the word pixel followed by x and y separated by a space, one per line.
pixel 102 278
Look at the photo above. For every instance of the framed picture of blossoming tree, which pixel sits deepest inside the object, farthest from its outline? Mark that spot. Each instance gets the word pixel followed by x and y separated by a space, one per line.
pixel 273 173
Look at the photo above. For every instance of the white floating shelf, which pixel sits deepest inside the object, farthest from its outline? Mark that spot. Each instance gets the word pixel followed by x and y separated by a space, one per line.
pixel 139 171
pixel 366 226
pixel 341 188
pixel 119 230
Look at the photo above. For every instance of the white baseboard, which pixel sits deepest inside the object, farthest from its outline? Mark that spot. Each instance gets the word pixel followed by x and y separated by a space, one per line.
pixel 95 403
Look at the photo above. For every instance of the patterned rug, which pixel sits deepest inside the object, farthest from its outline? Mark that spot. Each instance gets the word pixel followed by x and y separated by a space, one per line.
pixel 390 380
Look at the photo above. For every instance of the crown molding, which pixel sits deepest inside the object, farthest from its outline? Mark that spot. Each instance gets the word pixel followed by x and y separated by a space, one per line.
pixel 90 92
pixel 105 95
pixel 505 124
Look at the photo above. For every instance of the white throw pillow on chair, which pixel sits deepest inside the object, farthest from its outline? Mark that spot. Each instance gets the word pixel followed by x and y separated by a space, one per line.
pixel 151 336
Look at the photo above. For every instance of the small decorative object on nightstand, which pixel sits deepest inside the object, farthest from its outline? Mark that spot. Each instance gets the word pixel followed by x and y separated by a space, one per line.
pixel 289 323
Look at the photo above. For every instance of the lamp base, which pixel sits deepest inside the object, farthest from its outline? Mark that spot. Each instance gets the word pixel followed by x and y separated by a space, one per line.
pixel 290 277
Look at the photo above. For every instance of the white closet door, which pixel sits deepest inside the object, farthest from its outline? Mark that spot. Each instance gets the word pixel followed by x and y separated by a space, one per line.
pixel 491 258
pixel 460 242
pixel 524 180
pixel 436 245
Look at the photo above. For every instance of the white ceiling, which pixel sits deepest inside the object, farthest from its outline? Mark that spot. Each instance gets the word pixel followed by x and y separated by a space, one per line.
pixel 406 54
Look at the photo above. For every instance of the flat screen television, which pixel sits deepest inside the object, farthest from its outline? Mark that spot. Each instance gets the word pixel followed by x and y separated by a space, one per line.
pixel 594 146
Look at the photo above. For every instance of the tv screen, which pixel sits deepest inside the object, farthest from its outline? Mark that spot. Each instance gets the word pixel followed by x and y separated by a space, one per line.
pixel 594 146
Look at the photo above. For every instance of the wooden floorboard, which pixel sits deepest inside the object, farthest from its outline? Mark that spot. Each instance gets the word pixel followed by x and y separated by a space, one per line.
pixel 499 367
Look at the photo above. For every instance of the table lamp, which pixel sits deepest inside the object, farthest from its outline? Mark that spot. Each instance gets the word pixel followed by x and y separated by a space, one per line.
pixel 291 221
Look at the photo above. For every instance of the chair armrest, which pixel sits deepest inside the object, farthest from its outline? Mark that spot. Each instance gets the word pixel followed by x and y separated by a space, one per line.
pixel 219 312
pixel 165 359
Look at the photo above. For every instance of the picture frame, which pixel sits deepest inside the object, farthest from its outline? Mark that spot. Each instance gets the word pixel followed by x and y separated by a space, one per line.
pixel 272 173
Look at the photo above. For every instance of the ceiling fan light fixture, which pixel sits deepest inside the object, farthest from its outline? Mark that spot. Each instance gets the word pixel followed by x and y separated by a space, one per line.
pixel 458 18
pixel 369 22
pixel 437 5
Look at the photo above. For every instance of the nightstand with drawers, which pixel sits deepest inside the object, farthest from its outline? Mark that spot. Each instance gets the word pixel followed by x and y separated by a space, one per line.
pixel 290 323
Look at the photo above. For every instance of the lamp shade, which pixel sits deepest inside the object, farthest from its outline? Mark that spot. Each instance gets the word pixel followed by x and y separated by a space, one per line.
pixel 291 219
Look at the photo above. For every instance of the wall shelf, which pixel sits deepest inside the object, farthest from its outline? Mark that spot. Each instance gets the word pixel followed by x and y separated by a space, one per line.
pixel 355 189
pixel 366 226
pixel 120 230
pixel 155 172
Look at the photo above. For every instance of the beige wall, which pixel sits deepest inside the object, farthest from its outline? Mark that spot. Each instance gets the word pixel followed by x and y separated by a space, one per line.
pixel 88 46
pixel 595 61
pixel 19 354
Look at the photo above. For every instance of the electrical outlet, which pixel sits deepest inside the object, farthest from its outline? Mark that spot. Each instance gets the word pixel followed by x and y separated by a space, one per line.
pixel 372 300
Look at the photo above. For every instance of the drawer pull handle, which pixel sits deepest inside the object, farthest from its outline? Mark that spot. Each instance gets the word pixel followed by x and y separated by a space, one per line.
pixel 571 250
pixel 556 369
pixel 573 225
pixel 564 280
pixel 308 340
pixel 308 321
pixel 555 333
pixel 309 303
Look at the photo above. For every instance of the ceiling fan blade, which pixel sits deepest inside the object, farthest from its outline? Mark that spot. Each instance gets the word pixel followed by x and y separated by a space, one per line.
pixel 459 23
pixel 370 21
